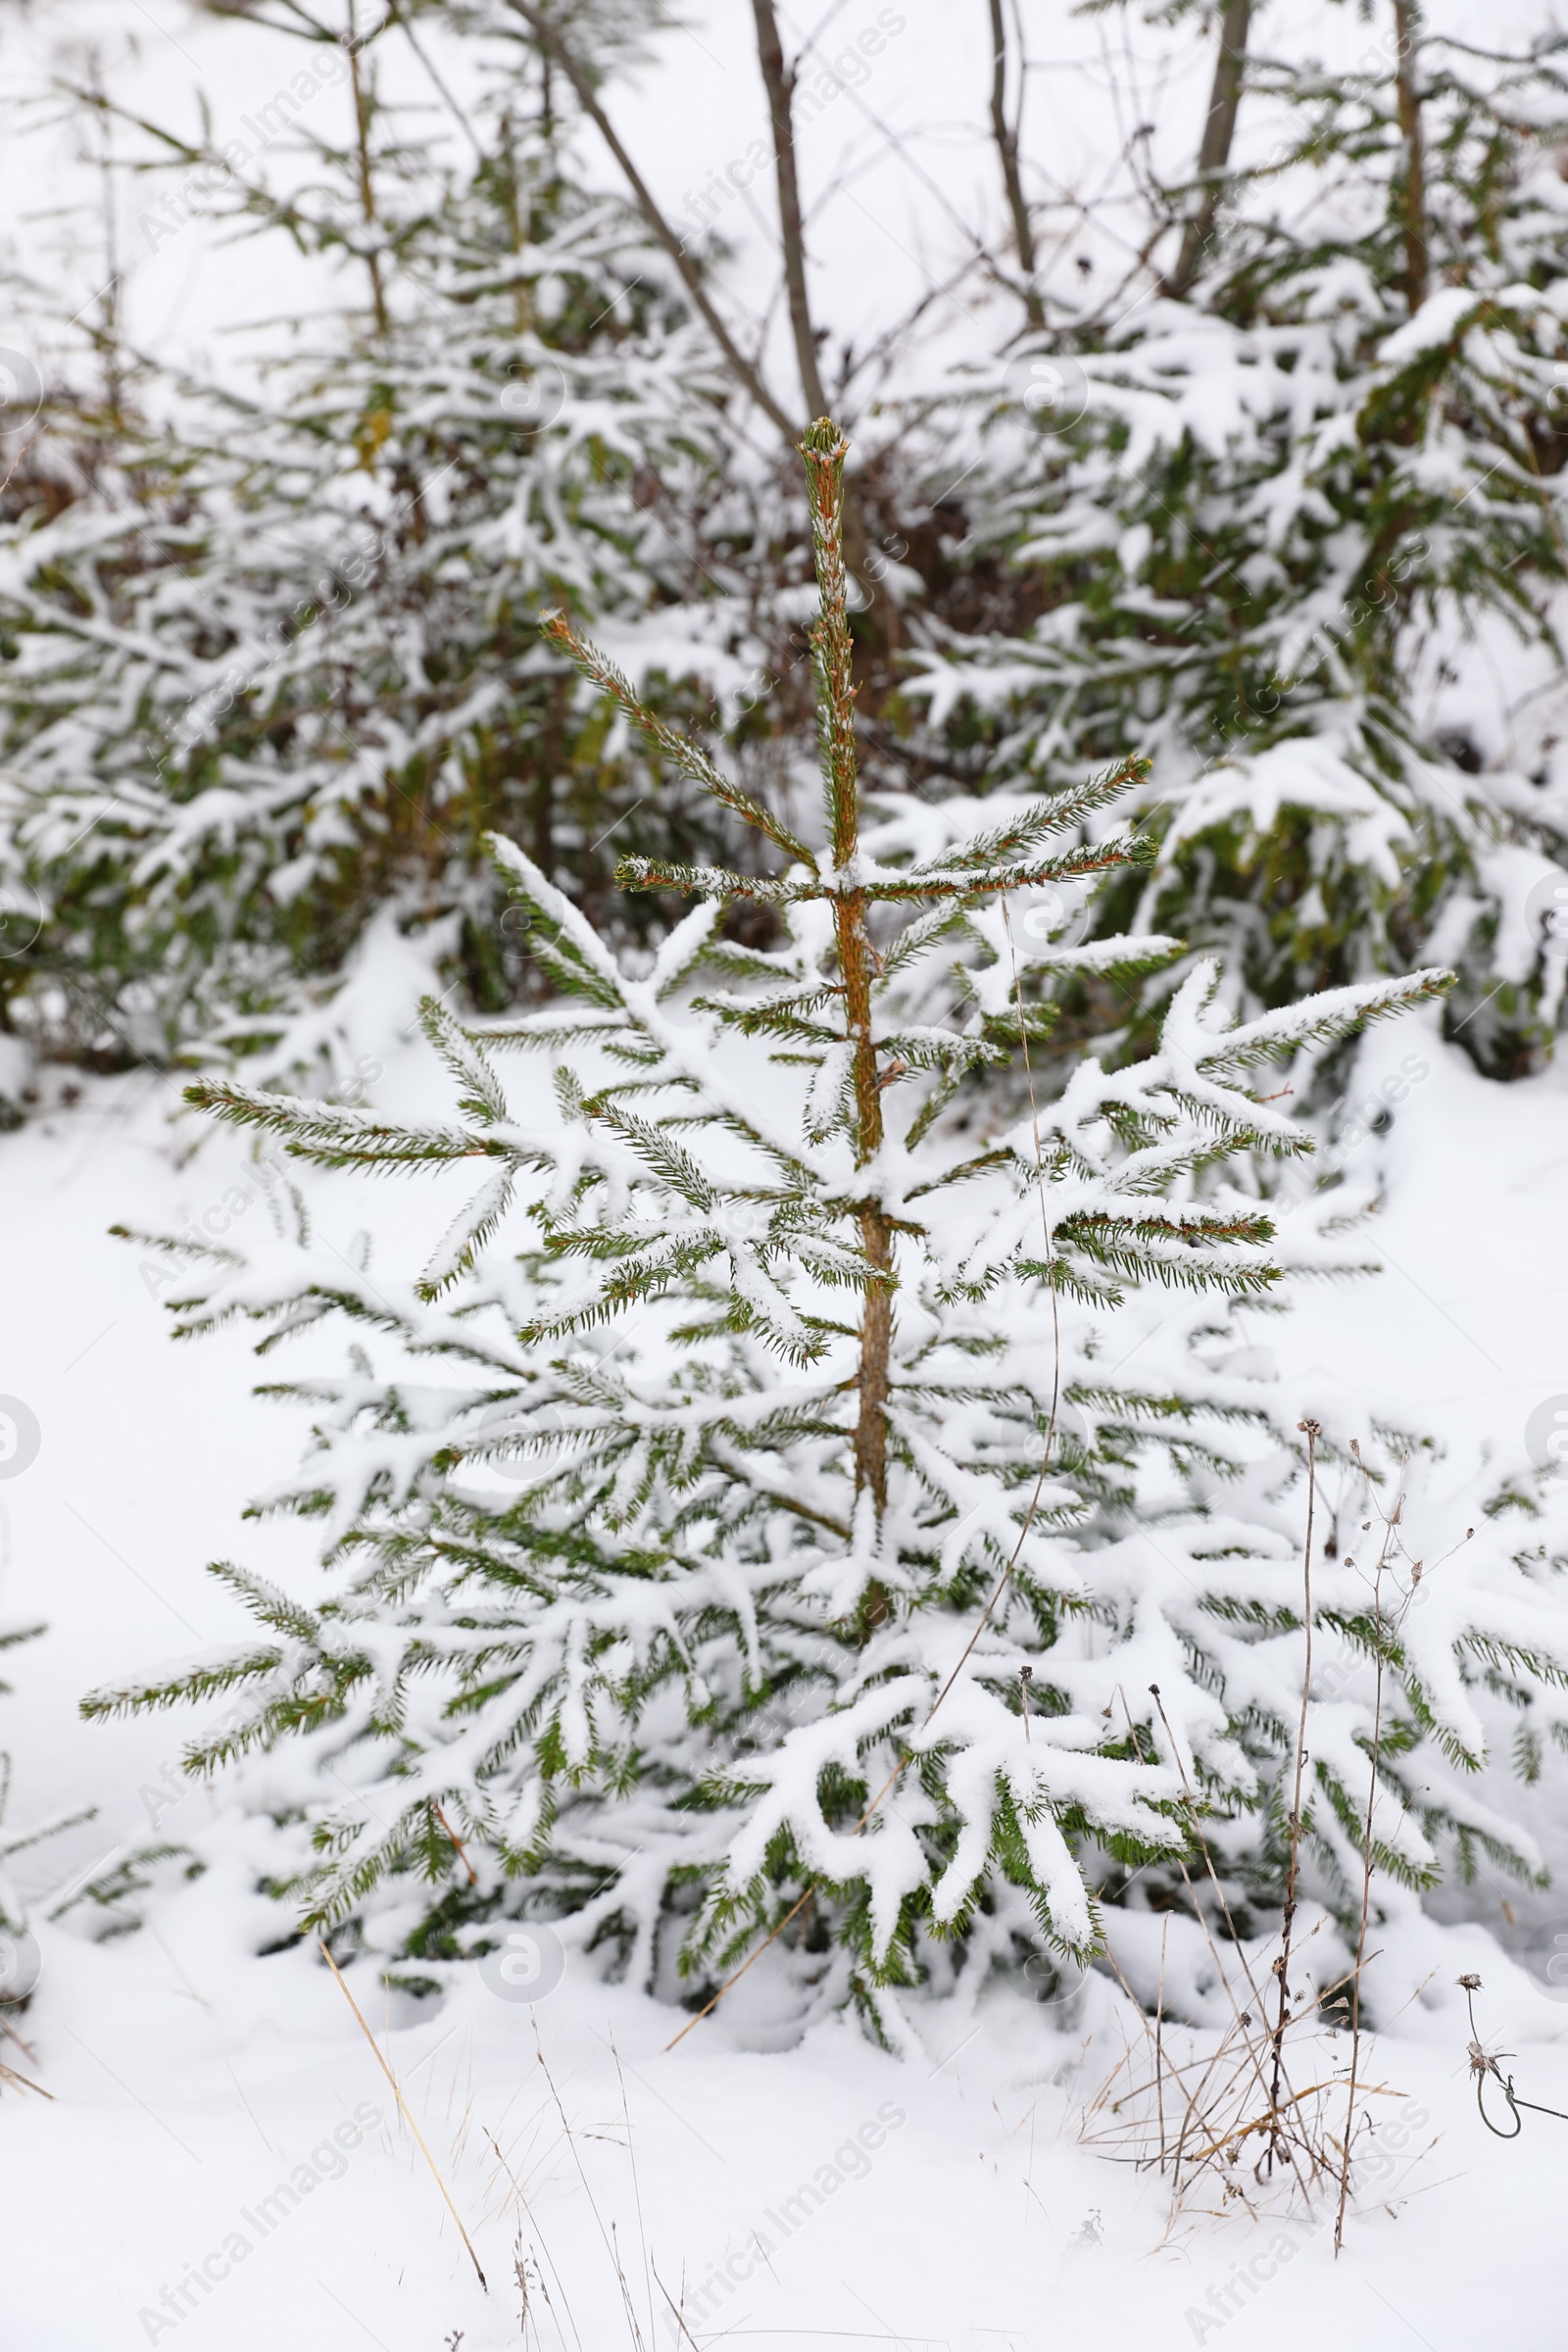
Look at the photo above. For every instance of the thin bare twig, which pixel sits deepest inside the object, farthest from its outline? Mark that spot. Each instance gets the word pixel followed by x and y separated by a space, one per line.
pixel 403 2109
pixel 1224 1905
pixel 550 41
pixel 22 453
pixel 457 1842
pixel 779 81
pixel 9 2074
pixel 364 108
pixel 1390 1521
pixel 1006 135
pixel 1413 195
pixel 1312 1430
pixel 610 2246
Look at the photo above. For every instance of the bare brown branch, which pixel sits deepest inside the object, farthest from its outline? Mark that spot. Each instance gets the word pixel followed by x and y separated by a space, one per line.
pixel 1413 196
pixel 823 450
pixel 779 81
pixel 555 47
pixel 1214 153
pixel 1006 135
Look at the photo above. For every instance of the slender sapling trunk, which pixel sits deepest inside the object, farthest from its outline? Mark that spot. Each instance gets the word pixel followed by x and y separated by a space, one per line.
pixel 1006 135
pixel 1413 200
pixel 1214 152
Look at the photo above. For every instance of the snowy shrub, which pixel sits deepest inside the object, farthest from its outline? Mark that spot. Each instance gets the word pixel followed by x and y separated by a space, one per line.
pixel 271 673
pixel 1285 533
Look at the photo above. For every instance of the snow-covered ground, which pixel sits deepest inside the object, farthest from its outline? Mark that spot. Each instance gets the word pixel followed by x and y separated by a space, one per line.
pixel 938 2199
pixel 944 2196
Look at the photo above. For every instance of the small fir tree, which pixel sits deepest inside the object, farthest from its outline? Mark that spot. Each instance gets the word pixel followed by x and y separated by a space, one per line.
pixel 841 1561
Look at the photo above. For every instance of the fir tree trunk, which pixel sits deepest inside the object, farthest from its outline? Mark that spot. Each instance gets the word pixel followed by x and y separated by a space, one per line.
pixel 1218 132
pixel 823 450
pixel 1006 139
pixel 1413 198
pixel 362 108
pixel 780 83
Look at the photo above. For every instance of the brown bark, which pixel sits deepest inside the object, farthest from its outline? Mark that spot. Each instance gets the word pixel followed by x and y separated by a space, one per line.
pixel 1413 200
pixel 823 453
pixel 362 123
pixel 1006 138
pixel 779 81
pixel 1214 153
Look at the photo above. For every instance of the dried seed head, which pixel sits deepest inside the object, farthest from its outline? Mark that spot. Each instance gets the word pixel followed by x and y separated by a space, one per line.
pixel 1471 1983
